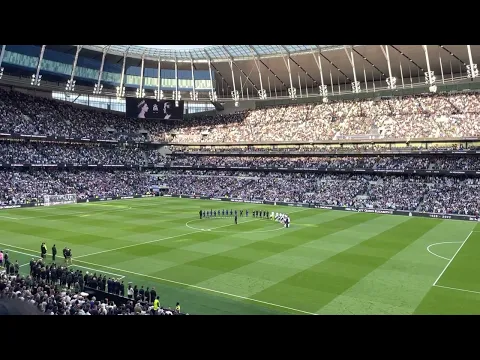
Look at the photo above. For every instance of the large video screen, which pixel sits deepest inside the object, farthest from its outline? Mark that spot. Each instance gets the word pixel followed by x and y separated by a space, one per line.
pixel 153 109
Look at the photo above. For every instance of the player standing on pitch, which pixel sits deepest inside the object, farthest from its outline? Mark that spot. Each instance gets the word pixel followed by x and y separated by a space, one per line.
pixel 68 256
pixel 236 218
pixel 43 251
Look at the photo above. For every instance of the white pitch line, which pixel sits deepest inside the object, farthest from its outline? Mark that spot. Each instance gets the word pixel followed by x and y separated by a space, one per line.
pixel 452 288
pixel 10 218
pixel 80 266
pixel 446 242
pixel 176 282
pixel 453 257
pixel 199 287
pixel 151 241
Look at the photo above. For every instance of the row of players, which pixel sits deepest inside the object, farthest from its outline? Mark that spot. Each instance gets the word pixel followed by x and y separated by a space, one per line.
pixel 282 218
pixel 234 213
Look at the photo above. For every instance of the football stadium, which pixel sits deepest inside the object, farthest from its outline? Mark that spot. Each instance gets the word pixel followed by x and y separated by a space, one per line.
pixel 240 179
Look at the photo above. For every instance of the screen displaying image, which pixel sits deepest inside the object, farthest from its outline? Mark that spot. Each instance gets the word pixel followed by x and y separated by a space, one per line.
pixel 153 109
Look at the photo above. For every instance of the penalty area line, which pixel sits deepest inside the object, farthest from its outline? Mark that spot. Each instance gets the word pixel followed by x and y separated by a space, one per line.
pixel 453 257
pixel 457 289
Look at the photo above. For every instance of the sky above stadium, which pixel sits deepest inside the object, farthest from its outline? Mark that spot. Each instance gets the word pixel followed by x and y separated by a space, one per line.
pixel 176 47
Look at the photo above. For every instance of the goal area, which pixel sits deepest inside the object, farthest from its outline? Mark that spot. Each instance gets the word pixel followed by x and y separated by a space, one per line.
pixel 50 200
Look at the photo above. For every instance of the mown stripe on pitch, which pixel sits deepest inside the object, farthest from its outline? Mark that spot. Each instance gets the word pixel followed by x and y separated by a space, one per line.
pixel 321 283
pixel 207 267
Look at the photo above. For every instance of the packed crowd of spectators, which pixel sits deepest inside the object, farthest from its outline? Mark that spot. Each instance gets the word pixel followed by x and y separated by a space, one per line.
pixel 20 187
pixel 432 194
pixel 407 117
pixel 57 290
pixel 20 152
pixel 339 162
pixel 345 148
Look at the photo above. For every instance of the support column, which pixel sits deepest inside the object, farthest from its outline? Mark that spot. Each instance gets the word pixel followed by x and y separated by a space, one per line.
pixel 401 75
pixel 472 71
pixel 212 94
pixel 159 91
pixel 262 94
pixel 365 78
pixel 71 83
pixel 323 88
pixel 193 93
pixel 391 81
pixel 98 87
pixel 292 92
pixel 241 84
pixel 331 83
pixel 441 67
pixel 235 95
pixel 121 87
pixel 351 58
pixel 141 92
pixel 429 75
pixel 300 85
pixel 177 95
pixel 37 77
pixel 2 54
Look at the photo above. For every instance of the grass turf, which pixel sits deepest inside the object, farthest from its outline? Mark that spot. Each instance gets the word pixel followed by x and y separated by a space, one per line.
pixel 328 262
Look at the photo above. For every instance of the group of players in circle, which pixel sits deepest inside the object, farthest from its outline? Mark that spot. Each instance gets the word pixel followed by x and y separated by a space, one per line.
pixel 283 218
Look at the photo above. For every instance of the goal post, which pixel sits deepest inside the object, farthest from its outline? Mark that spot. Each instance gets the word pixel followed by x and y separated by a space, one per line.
pixel 50 200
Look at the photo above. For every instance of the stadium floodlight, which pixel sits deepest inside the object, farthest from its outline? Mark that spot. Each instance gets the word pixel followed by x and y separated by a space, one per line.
pixel 1 73
pixel 35 80
pixel 177 96
pixel 140 94
pixel 97 90
pixel 159 95
pixel 262 94
pixel 324 93
pixel 70 86
pixel 472 71
pixel 235 97
pixel 292 93
pixel 392 83
pixel 213 96
pixel 356 86
pixel 194 95
pixel 430 80
pixel 120 92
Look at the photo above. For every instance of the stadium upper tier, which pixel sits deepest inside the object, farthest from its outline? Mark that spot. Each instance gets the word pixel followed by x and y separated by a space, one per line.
pixel 406 118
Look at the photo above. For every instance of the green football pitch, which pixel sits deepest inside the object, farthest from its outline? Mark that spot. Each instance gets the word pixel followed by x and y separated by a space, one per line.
pixel 328 262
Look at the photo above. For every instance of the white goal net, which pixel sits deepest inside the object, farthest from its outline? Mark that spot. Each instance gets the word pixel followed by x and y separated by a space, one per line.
pixel 50 200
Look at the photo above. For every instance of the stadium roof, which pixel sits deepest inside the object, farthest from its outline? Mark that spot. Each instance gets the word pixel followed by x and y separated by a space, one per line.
pixel 213 52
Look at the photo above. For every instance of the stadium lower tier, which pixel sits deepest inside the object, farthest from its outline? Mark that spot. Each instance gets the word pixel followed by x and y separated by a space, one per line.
pixel 438 194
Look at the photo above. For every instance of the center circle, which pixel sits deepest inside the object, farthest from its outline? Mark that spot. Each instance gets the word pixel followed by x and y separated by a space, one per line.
pixel 187 224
